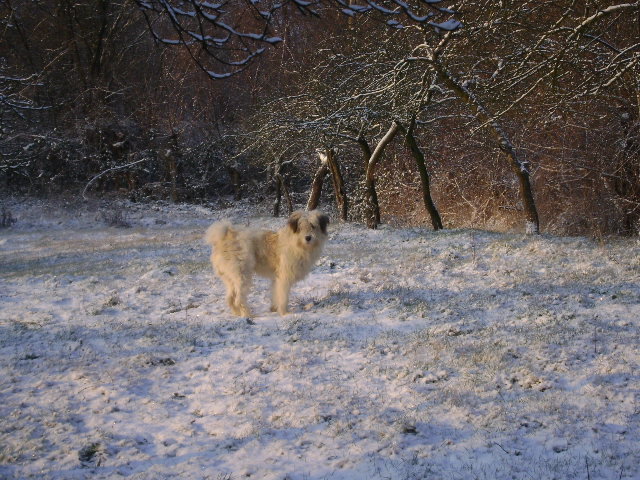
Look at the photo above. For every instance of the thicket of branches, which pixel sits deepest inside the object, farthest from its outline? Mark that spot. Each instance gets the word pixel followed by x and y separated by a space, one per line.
pixel 506 115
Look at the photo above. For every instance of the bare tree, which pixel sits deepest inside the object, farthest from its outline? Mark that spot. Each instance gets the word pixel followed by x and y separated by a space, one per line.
pixel 564 60
pixel 536 64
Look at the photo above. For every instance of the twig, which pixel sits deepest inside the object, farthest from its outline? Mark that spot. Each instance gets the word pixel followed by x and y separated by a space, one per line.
pixel 84 192
pixel 501 448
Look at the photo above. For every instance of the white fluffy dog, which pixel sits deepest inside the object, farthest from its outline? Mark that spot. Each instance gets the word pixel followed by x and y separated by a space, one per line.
pixel 285 257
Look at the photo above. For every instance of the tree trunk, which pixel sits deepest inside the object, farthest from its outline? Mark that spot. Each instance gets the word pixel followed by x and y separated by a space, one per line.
pixel 316 186
pixel 168 157
pixel 173 154
pixel 234 174
pixel 418 156
pixel 366 151
pixel 371 199
pixel 370 191
pixel 278 200
pixel 278 186
pixel 520 167
pixel 281 188
pixel 338 184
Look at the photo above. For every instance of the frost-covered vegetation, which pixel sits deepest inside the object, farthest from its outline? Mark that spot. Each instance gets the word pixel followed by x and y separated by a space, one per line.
pixel 497 115
pixel 410 354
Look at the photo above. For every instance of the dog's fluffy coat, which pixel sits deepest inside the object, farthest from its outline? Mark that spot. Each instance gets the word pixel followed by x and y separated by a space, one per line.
pixel 285 257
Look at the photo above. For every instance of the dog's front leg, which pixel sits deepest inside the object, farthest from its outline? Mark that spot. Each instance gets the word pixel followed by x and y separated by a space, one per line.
pixel 280 296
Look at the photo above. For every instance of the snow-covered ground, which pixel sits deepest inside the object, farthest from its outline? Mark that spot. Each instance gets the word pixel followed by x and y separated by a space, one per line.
pixel 409 354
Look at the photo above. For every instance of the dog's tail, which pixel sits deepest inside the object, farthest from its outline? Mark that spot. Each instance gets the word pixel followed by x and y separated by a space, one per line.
pixel 216 232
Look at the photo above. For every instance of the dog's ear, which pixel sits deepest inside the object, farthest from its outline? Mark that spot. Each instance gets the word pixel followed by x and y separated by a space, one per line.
pixel 323 220
pixel 293 221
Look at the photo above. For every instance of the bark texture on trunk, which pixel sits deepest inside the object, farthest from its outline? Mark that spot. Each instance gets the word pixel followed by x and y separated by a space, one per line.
pixel 281 188
pixel 425 180
pixel 338 184
pixel 371 197
pixel 316 185
pixel 234 174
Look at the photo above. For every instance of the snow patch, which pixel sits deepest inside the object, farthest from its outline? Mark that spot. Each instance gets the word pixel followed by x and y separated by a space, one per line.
pixel 409 354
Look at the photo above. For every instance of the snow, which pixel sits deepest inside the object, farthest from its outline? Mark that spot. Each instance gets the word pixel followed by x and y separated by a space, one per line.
pixel 212 6
pixel 409 354
pixel 219 76
pixel 448 25
pixel 395 24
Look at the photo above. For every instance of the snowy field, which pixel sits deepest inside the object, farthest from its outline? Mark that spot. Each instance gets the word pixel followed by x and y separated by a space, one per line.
pixel 409 354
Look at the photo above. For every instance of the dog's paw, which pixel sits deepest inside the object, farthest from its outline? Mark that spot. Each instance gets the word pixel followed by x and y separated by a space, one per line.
pixel 241 311
pixel 281 310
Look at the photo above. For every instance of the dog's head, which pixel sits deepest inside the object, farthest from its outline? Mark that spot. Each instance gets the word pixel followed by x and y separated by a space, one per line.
pixel 309 227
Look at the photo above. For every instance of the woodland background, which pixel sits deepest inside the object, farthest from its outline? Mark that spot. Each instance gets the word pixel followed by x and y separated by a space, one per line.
pixel 193 101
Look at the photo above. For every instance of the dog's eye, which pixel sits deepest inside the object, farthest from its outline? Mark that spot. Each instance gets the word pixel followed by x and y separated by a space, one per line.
pixel 313 227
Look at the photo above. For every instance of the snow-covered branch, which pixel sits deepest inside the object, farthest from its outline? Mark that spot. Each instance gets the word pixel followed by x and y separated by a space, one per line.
pixel 232 34
pixel 110 170
pixel 12 98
